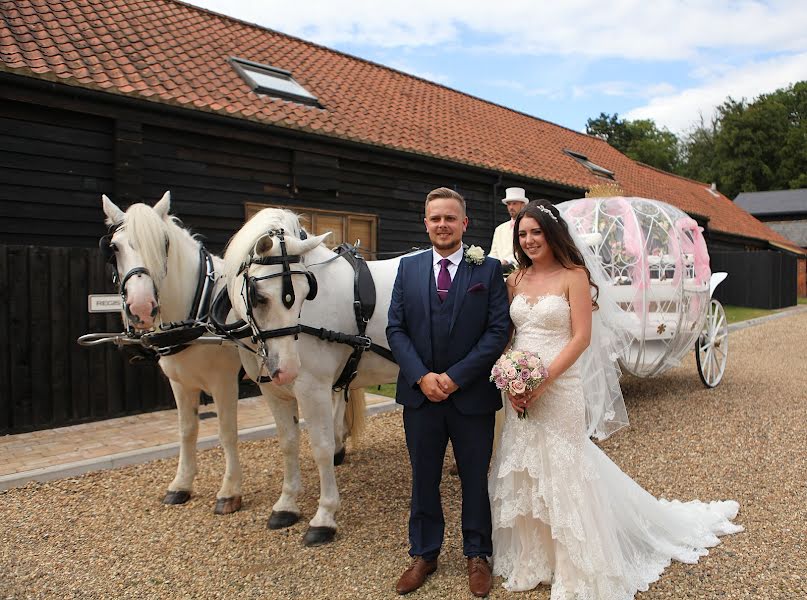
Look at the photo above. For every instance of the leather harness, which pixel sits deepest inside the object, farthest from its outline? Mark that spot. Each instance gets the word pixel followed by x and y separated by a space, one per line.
pixel 207 313
pixel 364 302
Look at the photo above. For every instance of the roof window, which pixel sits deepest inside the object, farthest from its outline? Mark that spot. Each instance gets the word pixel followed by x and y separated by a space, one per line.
pixel 271 81
pixel 594 168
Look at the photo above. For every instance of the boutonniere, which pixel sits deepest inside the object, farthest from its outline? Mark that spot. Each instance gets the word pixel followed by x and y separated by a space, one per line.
pixel 474 255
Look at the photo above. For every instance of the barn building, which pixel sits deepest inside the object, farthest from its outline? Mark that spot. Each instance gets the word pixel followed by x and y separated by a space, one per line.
pixel 131 98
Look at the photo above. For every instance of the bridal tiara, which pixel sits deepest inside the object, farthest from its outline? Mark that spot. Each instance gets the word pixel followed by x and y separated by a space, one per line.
pixel 547 211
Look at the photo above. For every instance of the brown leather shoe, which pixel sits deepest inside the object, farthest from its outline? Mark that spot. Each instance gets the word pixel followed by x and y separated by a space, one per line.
pixel 415 575
pixel 479 576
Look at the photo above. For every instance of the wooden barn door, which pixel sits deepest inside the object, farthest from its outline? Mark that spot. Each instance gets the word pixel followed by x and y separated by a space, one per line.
pixel 344 226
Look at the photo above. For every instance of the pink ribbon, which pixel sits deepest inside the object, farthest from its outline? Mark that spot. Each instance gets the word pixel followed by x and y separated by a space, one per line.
pixel 694 245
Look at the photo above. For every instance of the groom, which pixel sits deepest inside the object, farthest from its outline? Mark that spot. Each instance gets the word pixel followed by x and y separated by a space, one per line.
pixel 448 323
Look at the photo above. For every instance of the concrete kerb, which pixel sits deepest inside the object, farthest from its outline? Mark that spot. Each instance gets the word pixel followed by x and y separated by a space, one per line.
pixel 143 455
pixel 787 312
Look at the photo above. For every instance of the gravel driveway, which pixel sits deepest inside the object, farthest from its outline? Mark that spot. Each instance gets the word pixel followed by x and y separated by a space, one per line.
pixel 106 535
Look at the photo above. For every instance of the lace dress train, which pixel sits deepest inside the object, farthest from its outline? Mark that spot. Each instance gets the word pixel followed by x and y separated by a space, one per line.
pixel 563 512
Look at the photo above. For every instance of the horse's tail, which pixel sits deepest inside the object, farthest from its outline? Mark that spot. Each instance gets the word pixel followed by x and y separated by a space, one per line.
pixel 356 415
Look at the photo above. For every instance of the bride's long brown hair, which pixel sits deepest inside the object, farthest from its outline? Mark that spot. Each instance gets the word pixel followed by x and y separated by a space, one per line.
pixel 556 233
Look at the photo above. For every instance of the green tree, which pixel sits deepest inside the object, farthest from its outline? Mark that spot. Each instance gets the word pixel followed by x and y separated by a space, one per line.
pixel 640 140
pixel 793 168
pixel 752 146
pixel 698 159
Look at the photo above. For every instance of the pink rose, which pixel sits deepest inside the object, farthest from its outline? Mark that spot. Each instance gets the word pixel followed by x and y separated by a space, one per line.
pixel 501 383
pixel 535 374
pixel 525 374
pixel 517 387
pixel 510 373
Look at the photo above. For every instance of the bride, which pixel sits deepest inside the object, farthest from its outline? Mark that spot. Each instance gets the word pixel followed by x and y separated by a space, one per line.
pixel 563 513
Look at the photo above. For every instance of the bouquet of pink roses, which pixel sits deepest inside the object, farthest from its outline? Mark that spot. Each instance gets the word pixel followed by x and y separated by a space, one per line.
pixel 518 372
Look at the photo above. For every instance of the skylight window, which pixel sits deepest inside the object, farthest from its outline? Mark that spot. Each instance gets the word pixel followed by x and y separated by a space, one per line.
pixel 271 81
pixel 594 168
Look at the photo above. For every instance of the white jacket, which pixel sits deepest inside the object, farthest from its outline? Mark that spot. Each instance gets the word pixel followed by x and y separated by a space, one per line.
pixel 502 245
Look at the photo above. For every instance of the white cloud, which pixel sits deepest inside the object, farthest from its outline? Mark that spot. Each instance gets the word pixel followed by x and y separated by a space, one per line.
pixel 428 75
pixel 726 47
pixel 630 29
pixel 678 111
pixel 623 89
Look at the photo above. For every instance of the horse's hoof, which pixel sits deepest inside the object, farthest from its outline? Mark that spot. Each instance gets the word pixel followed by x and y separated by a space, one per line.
pixel 317 536
pixel 282 519
pixel 227 506
pixel 178 497
pixel 339 457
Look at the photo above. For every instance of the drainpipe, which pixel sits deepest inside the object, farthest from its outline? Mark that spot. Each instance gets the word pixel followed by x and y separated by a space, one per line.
pixel 496 186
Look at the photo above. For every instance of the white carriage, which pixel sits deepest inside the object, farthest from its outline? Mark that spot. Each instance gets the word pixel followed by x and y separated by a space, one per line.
pixel 657 267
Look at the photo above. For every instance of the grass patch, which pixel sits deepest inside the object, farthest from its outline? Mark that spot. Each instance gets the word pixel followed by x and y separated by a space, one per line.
pixel 735 314
pixel 386 389
pixel 803 300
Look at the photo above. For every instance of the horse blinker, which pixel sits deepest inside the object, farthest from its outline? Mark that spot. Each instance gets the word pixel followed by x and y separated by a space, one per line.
pixel 313 287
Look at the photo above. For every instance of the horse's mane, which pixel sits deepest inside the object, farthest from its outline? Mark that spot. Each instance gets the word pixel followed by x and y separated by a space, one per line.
pixel 241 244
pixel 149 233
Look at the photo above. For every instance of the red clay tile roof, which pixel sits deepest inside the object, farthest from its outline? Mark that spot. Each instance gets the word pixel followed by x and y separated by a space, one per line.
pixel 169 52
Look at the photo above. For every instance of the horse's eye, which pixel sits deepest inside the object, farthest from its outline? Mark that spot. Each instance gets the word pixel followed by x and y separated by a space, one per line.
pixel 262 300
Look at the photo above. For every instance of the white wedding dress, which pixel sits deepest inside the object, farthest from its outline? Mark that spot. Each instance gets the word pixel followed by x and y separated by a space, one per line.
pixel 563 512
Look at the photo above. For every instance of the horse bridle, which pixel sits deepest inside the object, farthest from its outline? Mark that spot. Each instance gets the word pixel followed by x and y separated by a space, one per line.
pixel 249 288
pixel 107 248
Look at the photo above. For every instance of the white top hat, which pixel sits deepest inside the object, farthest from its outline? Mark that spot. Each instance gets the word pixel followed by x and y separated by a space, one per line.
pixel 514 195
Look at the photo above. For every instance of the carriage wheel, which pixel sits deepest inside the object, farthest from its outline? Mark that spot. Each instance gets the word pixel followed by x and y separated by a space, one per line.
pixel 712 347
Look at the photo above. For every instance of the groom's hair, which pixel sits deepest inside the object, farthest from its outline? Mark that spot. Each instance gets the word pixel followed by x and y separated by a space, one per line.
pixel 444 192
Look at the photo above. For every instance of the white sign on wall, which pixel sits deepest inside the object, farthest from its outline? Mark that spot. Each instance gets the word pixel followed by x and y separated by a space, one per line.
pixel 103 303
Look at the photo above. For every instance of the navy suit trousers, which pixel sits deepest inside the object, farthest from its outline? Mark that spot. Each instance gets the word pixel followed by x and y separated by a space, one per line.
pixel 428 429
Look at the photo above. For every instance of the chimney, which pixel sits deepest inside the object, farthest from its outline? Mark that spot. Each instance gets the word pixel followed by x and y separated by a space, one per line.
pixel 714 186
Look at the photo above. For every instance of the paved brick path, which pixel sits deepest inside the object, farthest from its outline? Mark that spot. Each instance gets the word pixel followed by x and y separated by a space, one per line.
pixel 54 453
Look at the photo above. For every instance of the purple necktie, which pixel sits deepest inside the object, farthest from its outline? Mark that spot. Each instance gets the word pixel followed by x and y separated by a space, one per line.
pixel 443 280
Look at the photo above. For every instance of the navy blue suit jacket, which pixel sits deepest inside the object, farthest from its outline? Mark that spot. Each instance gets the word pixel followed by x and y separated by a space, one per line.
pixel 480 328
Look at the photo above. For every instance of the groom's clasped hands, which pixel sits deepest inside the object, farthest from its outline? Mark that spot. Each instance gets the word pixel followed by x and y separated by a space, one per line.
pixel 437 387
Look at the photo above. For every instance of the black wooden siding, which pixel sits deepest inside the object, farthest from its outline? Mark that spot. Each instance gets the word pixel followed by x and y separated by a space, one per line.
pixel 62 147
pixel 46 378
pixel 762 279
pixel 54 165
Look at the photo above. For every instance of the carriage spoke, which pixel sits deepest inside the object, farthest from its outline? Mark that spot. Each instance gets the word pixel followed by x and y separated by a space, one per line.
pixel 713 321
pixel 716 367
pixel 719 326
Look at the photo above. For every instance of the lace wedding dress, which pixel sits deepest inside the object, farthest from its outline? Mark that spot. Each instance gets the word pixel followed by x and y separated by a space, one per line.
pixel 563 512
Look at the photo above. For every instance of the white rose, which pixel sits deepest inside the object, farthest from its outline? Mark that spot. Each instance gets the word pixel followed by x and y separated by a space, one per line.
pixel 475 254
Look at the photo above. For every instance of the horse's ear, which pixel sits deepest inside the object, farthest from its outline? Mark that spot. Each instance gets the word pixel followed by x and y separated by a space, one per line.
pixel 302 246
pixel 114 215
pixel 263 245
pixel 163 206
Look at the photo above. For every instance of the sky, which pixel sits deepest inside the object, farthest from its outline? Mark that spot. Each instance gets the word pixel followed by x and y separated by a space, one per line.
pixel 565 61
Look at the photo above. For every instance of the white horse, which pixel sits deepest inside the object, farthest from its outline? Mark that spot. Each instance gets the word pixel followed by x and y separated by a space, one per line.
pixel 303 367
pixel 164 262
